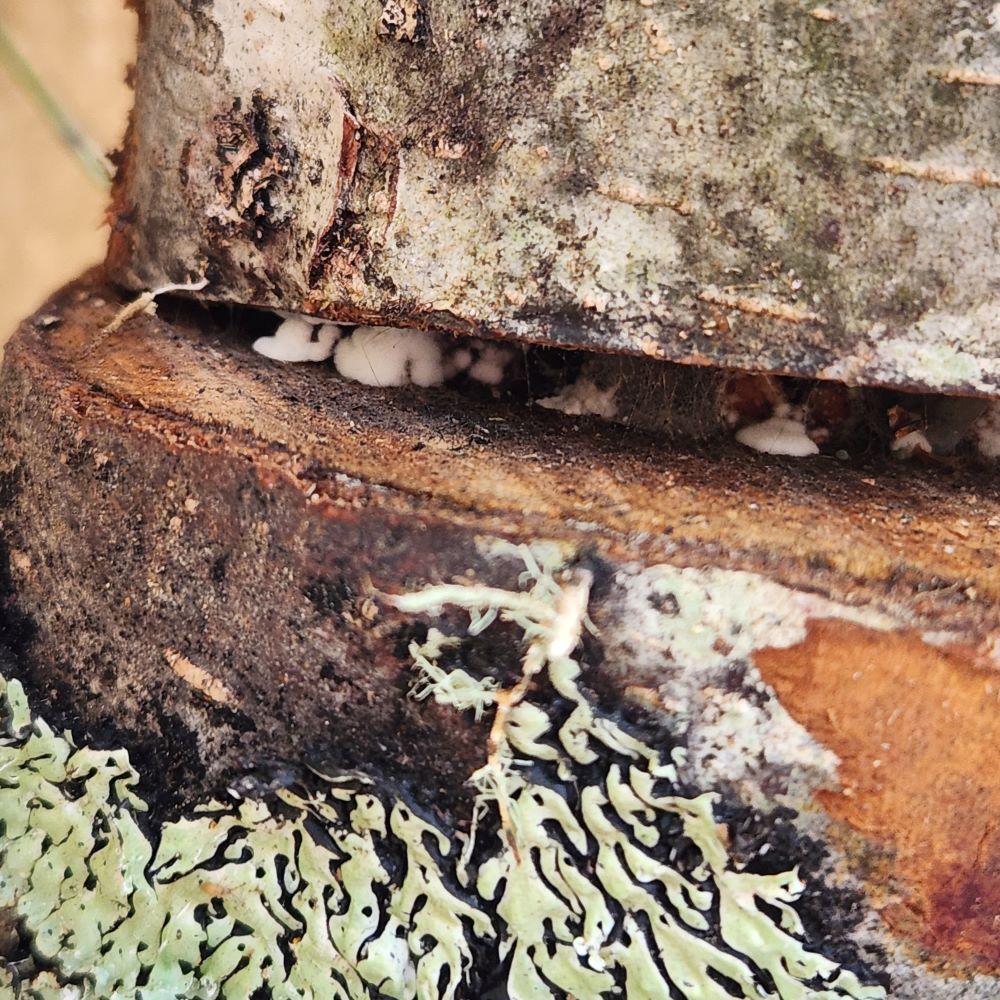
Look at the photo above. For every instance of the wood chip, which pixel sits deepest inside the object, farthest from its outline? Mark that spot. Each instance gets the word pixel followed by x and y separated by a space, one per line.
pixel 198 678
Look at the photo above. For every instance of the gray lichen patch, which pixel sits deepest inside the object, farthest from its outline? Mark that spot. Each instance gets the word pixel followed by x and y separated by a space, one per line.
pixel 218 903
pixel 589 870
pixel 691 635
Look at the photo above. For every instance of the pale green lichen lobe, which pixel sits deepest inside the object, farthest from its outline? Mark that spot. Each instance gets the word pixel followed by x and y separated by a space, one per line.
pixel 584 895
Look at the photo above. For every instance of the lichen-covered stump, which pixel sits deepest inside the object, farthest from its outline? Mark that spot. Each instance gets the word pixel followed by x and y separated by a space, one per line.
pixel 297 703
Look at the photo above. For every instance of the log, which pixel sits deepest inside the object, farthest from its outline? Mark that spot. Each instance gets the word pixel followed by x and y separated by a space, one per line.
pixel 774 187
pixel 315 690
pixel 222 575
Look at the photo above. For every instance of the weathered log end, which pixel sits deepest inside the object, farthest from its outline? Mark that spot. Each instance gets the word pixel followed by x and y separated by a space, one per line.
pixel 745 184
pixel 732 728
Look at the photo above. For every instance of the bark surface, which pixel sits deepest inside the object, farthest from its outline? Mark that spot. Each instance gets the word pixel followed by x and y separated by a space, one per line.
pixel 768 186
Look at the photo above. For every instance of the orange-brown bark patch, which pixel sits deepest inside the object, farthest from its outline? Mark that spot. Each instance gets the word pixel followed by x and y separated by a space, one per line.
pixel 918 732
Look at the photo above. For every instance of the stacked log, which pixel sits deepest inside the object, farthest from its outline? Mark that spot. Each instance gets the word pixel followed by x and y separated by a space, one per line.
pixel 318 689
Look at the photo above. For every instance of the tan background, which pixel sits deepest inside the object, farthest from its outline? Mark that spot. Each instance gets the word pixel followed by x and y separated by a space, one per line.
pixel 51 214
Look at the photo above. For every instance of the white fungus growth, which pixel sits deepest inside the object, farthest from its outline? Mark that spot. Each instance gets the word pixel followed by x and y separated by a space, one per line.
pixel 634 393
pixel 778 435
pixel 987 432
pixel 457 361
pixel 299 338
pixel 387 356
pixel 914 441
pixel 583 397
pixel 490 364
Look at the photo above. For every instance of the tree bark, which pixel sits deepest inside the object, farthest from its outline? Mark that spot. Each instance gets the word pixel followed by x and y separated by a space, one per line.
pixel 766 186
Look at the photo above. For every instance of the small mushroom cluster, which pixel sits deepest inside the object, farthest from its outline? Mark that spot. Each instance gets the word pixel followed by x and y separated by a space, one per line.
pixel 778 415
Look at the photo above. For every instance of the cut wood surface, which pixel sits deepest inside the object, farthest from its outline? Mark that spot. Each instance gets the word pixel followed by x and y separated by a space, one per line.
pixel 198 539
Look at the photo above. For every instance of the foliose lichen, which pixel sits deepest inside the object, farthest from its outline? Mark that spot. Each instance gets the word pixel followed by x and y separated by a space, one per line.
pixel 588 871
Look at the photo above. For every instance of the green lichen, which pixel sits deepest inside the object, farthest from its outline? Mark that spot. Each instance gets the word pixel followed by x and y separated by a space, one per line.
pixel 586 873
pixel 588 846
pixel 229 901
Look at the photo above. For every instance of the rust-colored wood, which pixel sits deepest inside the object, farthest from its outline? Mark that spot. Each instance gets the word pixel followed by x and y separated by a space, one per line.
pixel 917 731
